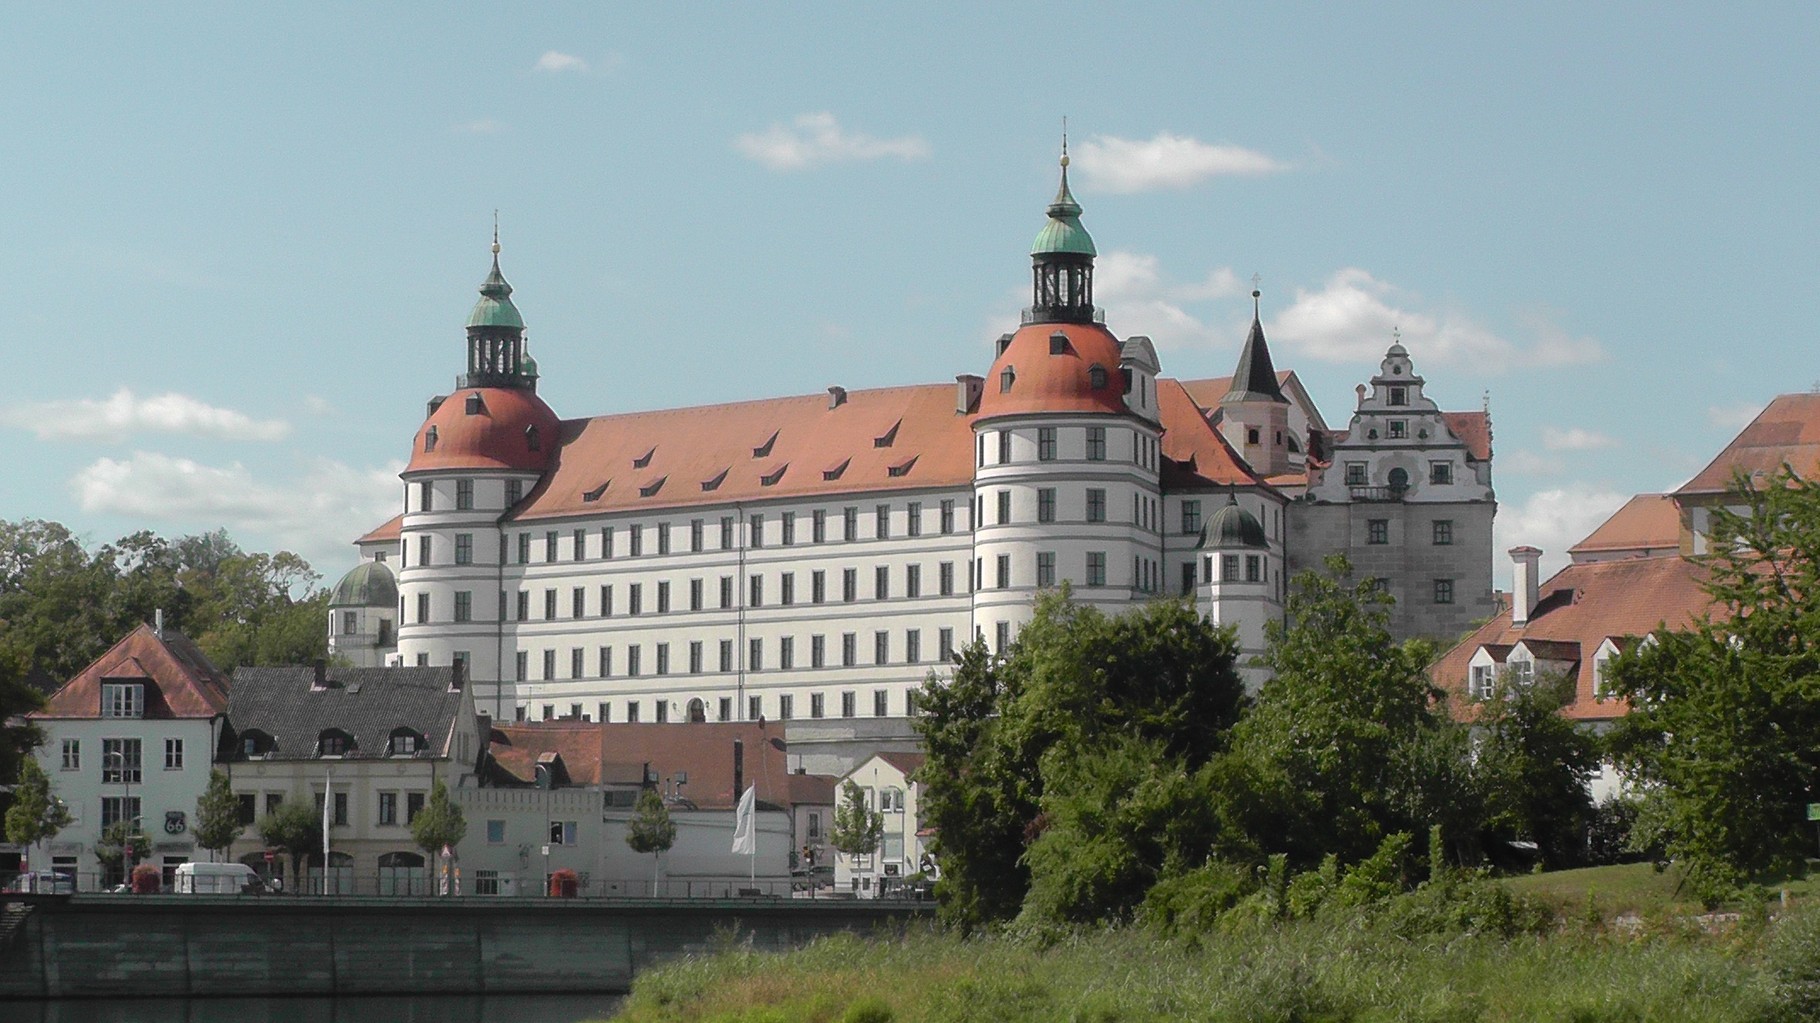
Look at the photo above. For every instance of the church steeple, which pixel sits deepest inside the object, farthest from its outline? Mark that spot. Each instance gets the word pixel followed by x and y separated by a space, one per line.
pixel 496 336
pixel 1255 379
pixel 1062 262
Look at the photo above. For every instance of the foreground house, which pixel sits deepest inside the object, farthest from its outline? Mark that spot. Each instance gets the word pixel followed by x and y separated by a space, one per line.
pixel 887 785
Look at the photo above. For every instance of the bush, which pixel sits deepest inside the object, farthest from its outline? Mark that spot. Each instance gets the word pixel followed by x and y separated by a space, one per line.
pixel 565 884
pixel 1609 834
pixel 867 1010
pixel 147 879
pixel 1192 903
pixel 1793 967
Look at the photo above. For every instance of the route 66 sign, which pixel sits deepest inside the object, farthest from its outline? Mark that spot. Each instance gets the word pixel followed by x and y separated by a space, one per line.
pixel 174 823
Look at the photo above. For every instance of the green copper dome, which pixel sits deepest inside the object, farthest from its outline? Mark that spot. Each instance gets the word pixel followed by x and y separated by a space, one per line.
pixel 370 584
pixel 1233 526
pixel 495 308
pixel 1064 232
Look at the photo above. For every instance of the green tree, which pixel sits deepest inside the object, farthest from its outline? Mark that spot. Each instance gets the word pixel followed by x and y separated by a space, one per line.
pixel 295 828
pixel 18 737
pixel 858 829
pixel 1532 768
pixel 651 830
pixel 36 814
pixel 111 850
pixel 217 815
pixel 439 823
pixel 1723 733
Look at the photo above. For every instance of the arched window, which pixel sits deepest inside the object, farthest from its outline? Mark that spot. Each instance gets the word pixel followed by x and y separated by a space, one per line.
pixel 404 742
pixel 333 742
pixel 429 440
pixel 698 712
pixel 1005 378
pixel 1399 479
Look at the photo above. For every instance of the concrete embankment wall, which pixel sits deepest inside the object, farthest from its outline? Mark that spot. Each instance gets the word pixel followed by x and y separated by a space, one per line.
pixel 198 946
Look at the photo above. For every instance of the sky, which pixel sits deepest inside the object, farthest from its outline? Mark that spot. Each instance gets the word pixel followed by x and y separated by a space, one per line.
pixel 239 242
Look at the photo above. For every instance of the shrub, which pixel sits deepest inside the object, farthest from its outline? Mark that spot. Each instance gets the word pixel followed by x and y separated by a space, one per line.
pixel 1792 963
pixel 565 883
pixel 147 879
pixel 1192 903
pixel 867 1010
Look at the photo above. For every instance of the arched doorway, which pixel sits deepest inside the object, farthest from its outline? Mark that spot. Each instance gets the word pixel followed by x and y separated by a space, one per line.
pixel 403 873
pixel 698 711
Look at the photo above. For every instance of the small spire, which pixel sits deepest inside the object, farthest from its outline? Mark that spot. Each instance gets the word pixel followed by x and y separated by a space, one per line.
pixel 1256 308
pixel 496 236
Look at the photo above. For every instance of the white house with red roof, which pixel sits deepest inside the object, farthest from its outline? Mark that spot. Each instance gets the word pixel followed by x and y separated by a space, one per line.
pixel 132 737
pixel 816 557
pixel 887 784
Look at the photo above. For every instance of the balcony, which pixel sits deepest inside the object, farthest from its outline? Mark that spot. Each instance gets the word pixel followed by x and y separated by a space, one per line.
pixel 1366 494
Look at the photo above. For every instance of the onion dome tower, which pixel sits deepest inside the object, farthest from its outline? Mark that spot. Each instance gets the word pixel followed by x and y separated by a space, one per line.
pixel 363 615
pixel 1239 581
pixel 1254 415
pixel 1065 476
pixel 479 451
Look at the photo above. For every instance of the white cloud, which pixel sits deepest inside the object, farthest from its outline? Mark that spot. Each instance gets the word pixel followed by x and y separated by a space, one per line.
pixel 1139 299
pixel 1574 439
pixel 814 139
pixel 316 515
pixel 1113 164
pixel 1553 520
pixel 124 413
pixel 484 126
pixel 317 405
pixel 1352 317
pixel 557 62
pixel 1733 417
pixel 1528 463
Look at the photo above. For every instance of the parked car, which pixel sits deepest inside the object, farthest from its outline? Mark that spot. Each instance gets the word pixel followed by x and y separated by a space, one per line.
pixel 222 879
pixel 43 882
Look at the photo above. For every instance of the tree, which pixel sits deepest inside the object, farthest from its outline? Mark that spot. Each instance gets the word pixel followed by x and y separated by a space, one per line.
pixel 18 737
pixel 1723 734
pixel 36 814
pixel 295 828
pixel 651 830
pixel 1532 767
pixel 111 850
pixel 858 829
pixel 217 815
pixel 440 823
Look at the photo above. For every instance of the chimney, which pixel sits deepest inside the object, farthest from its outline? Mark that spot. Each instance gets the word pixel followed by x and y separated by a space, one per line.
pixel 967 390
pixel 322 674
pixel 158 623
pixel 837 396
pixel 1524 583
pixel 739 769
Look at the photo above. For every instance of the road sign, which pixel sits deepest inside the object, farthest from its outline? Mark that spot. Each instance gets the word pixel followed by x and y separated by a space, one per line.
pixel 270 856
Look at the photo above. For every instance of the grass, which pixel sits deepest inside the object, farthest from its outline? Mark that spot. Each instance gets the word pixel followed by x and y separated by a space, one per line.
pixel 1636 888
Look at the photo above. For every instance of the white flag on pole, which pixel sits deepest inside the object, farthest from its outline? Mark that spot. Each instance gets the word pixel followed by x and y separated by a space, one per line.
pixel 745 832
pixel 328 803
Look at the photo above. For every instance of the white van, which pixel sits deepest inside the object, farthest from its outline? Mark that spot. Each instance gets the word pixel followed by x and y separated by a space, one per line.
pixel 221 879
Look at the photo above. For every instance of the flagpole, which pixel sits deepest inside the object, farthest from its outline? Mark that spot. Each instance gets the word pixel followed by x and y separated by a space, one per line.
pixel 328 802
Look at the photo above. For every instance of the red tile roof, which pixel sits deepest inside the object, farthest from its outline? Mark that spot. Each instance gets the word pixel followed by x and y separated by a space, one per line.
pixel 1785 433
pixel 1047 381
pixel 905 762
pixel 592 752
pixel 1207 393
pixel 1196 455
pixel 1582 606
pixel 1647 522
pixel 390 530
pixel 495 436
pixel 1474 430
pixel 179 680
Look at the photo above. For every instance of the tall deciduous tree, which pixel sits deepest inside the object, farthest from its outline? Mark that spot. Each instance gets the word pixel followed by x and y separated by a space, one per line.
pixel 439 823
pixel 858 828
pixel 651 830
pixel 295 828
pixel 1532 766
pixel 36 813
pixel 1724 723
pixel 217 814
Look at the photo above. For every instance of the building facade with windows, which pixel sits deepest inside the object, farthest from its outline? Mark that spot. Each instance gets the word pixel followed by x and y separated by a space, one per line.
pixel 131 738
pixel 887 784
pixel 815 557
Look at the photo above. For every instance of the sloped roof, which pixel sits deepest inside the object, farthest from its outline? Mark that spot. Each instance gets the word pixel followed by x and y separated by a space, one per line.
pixel 1474 431
pixel 391 530
pixel 1195 455
pixel 1582 606
pixel 1256 378
pixel 590 751
pixel 1052 371
pixel 1785 433
pixel 366 703
pixel 1208 392
pixel 905 762
pixel 813 789
pixel 486 428
pixel 179 680
pixel 1646 522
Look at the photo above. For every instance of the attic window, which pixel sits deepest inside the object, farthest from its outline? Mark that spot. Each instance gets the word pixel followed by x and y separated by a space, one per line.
pixel 643 460
pixel 713 482
pixel 764 450
pixel 594 495
pixel 429 440
pixel 652 487
pixel 1125 373
pixel 533 438
pixel 476 406
pixel 255 743
pixel 1096 377
pixel 887 438
pixel 333 742
pixel 1058 343
pixel 833 472
pixel 770 479
pixel 1004 342
pixel 403 743
pixel 122 699
pixel 902 468
pixel 1005 379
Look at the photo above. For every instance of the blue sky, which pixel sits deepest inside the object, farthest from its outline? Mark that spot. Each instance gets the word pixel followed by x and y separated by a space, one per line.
pixel 239 244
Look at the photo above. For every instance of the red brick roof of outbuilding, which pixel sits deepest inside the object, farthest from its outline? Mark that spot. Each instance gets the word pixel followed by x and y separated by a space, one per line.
pixel 1646 522
pixel 179 680
pixel 591 751
pixel 1785 433
pixel 1579 608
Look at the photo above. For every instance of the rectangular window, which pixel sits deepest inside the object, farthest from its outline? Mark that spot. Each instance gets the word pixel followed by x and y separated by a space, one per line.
pixel 635 598
pixel 1045 444
pixel 726 655
pixel 786 653
pixel 1443 532
pixel 413 805
pixel 788 525
pixel 881 647
pixel 1096 443
pixel 1187 578
pixel 850 524
pixel 848 704
pixel 818 526
pixel 726 708
pixel 515 491
pixel 756 585
pixel 122 699
pixel 1004 507
pixel 524 548
pixel 1045 569
pixel 549 546
pixel 818 651
pixel 388 808
pixel 663 658
pixel 1191 516
pixel 464 548
pixel 632 716
pixel 1004 446
pixel 496 832
pixel 603 712
pixel 426 497
pixel 1399 428
pixel 1045 504
pixel 913 646
pixel 663 597
pixel 787 588
pixel 726 591
pixel 755 529
pixel 549 605
pixel 755 707
pixel 947 517
pixel 913 518
pixel 726 532
pixel 695 594
pixel 634 659
pixel 606 541
pixel 1001 635
pixel 1003 567
pixel 881 583
pixel 606 601
pixel 636 538
pixel 695 536
pixel 1096 568
pixel 818 586
pixel 945 578
pixel 578 602
pixel 1355 474
pixel 578 541
pixel 849 585
pixel 1096 504
pixel 1440 472
pixel 173 754
pixel 755 654
pixel 817 705
pixel 72 754
pixel 464 605
pixel 521 666
pixel 662 529
pixel 524 605
pixel 1377 531
pixel 1253 568
pixel 881 519
pixel 1443 591
pixel 605 657
pixel 913 581
pixel 246 808
pixel 849 649
pixel 786 706
pixel 549 664
pixel 576 670
pixel 944 644
pixel 881 703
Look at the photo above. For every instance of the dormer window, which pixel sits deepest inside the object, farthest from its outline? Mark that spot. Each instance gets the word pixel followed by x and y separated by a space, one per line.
pixel 1096 378
pixel 122 699
pixel 333 742
pixel 404 742
pixel 533 438
pixel 1058 343
pixel 429 440
pixel 763 450
pixel 713 482
pixel 1005 379
pixel 771 478
pixel 650 489
pixel 594 495
pixel 476 406
pixel 889 437
pixel 255 743
pixel 643 460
